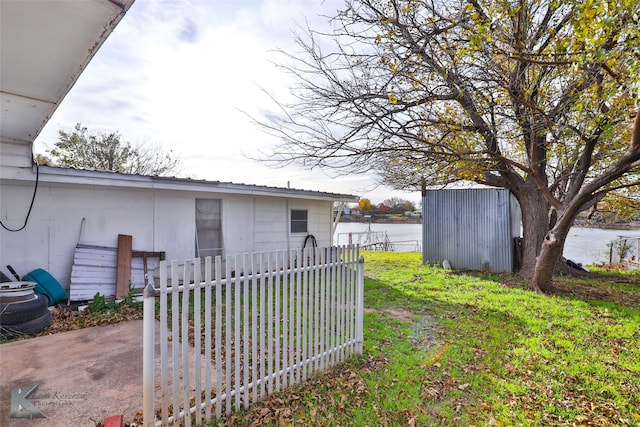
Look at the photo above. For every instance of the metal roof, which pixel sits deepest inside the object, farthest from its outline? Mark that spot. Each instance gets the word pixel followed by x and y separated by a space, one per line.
pixel 44 46
pixel 69 176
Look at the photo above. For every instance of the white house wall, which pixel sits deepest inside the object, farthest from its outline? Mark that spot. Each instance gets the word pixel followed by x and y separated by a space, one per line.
pixel 27 249
pixel 319 222
pixel 272 218
pixel 271 222
pixel 64 215
pixel 262 223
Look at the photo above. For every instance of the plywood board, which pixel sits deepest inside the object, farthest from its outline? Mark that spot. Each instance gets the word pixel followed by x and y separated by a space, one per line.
pixel 123 269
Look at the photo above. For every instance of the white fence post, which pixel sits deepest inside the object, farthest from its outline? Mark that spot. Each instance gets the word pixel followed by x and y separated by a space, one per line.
pixel 148 355
pixel 360 305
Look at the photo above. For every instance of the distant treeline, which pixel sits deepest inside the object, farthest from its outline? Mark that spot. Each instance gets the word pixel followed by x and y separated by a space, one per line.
pixel 381 219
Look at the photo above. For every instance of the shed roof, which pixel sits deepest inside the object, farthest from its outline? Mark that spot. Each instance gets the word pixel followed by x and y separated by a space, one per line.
pixel 44 46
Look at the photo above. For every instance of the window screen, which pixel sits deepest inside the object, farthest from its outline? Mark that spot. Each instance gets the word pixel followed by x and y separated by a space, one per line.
pixel 298 221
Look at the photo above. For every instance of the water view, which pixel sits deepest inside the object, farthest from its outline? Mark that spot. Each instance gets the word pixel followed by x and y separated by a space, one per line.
pixel 587 246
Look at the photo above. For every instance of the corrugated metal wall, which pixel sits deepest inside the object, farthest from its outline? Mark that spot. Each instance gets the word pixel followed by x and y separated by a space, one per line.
pixel 472 228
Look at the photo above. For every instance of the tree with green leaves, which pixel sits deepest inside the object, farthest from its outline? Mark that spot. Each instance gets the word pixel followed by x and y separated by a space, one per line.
pixel 107 151
pixel 535 96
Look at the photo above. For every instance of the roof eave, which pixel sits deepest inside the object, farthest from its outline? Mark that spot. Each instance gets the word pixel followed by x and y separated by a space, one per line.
pixel 65 176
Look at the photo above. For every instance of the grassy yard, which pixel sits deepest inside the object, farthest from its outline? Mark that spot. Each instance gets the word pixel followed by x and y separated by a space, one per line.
pixel 443 349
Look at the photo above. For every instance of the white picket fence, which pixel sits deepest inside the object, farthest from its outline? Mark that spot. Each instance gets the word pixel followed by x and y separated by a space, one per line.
pixel 230 333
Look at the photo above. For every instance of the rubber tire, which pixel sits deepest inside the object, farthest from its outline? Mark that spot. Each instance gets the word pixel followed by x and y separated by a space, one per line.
pixel 14 313
pixel 13 299
pixel 31 327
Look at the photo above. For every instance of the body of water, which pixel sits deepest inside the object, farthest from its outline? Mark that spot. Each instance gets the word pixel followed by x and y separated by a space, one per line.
pixel 587 246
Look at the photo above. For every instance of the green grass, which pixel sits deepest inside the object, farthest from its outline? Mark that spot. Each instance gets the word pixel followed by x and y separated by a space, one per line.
pixel 443 348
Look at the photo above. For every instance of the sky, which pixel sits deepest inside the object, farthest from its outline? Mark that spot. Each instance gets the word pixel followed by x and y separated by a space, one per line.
pixel 186 73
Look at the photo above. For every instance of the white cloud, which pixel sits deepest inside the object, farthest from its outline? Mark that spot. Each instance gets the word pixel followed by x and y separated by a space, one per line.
pixel 180 72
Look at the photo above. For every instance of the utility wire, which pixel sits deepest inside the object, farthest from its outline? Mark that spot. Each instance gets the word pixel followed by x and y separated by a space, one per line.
pixel 33 198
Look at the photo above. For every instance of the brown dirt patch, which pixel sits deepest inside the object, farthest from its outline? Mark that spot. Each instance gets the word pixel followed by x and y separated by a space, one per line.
pixel 425 332
pixel 396 313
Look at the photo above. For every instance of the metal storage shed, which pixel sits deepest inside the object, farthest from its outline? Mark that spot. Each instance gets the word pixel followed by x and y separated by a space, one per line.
pixel 473 229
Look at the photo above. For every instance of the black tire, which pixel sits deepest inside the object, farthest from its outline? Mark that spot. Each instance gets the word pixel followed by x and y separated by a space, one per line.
pixel 14 313
pixel 31 327
pixel 12 299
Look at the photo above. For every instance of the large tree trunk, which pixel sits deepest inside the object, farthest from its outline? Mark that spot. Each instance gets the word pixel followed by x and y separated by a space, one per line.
pixel 548 259
pixel 551 250
pixel 535 225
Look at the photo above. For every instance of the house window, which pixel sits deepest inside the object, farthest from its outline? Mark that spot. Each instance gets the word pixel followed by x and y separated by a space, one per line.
pixel 298 221
pixel 208 227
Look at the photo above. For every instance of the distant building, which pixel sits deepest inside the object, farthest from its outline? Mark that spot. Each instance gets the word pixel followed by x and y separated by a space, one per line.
pixel 413 214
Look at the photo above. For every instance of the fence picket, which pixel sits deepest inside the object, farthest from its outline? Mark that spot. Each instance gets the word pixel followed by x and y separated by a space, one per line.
pixel 279 318
pixel 254 332
pixel 292 320
pixel 175 335
pixel 278 321
pixel 334 308
pixel 285 317
pixel 245 327
pixel 235 280
pixel 269 342
pixel 164 343
pixel 305 311
pixel 261 314
pixel 197 337
pixel 323 318
pixel 184 352
pixel 313 323
pixel 228 361
pixel 207 337
pixel 218 341
pixel 349 300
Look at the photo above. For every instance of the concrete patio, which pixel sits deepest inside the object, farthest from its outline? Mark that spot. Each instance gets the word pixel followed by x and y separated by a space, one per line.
pixel 82 376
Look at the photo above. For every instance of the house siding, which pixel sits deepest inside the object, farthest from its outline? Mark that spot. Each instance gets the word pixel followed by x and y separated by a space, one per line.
pixel 270 224
pixel 64 215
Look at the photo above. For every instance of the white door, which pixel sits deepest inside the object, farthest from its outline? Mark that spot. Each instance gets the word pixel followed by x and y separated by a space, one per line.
pixel 208 227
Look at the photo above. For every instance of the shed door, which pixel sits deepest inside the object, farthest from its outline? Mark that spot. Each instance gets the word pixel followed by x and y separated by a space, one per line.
pixel 208 227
